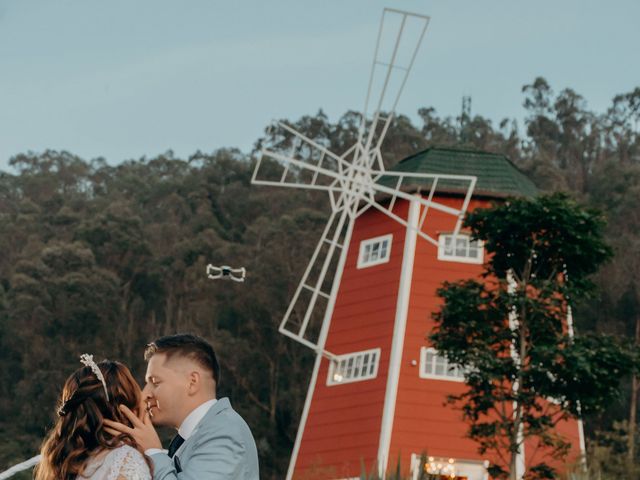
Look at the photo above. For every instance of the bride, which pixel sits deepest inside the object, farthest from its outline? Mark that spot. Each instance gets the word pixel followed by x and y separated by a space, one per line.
pixel 77 447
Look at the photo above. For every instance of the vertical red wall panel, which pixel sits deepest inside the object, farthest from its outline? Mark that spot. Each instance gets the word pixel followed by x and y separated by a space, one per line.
pixel 423 422
pixel 343 425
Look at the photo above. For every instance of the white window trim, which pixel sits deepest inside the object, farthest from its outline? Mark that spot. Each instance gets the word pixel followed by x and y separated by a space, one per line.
pixel 332 366
pixel 455 258
pixel 371 241
pixel 433 376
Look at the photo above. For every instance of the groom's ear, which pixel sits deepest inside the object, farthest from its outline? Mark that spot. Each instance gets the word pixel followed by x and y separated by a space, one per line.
pixel 195 382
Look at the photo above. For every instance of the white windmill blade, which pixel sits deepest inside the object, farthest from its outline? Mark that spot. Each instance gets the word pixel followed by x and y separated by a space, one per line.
pixel 304 164
pixel 287 171
pixel 316 288
pixel 390 186
pixel 399 38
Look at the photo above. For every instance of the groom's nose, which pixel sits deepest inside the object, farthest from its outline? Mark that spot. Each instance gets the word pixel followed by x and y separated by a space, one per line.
pixel 146 392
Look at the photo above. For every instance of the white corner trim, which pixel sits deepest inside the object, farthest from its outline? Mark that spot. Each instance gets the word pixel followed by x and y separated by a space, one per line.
pixel 399 329
pixel 583 446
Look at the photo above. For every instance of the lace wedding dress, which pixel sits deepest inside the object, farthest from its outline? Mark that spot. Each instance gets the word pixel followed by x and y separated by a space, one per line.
pixel 122 463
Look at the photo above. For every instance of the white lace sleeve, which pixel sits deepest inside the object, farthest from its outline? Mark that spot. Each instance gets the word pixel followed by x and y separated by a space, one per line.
pixel 128 464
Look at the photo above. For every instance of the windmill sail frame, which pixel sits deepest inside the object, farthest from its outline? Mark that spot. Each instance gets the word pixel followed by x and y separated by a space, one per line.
pixel 356 181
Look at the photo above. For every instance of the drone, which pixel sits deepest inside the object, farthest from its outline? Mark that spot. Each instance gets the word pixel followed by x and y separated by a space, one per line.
pixel 225 272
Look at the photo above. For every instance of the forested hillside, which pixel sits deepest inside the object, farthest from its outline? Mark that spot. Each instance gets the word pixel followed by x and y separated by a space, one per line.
pixel 102 259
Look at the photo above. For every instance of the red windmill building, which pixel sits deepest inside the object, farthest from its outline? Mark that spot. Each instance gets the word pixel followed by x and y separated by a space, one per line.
pixel 364 304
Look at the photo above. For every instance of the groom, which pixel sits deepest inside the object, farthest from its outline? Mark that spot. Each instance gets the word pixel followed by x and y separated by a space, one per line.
pixel 213 441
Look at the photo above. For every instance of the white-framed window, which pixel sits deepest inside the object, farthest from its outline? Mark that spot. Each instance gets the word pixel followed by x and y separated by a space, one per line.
pixel 354 367
pixel 434 365
pixel 375 251
pixel 460 248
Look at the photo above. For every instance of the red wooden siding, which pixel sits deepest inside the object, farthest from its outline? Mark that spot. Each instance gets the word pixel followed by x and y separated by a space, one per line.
pixel 343 426
pixel 342 431
pixel 423 423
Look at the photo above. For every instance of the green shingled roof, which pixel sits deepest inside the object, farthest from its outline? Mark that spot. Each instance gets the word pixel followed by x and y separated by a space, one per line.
pixel 497 176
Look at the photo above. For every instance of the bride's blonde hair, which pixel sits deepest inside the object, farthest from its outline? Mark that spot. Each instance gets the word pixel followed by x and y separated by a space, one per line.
pixel 83 406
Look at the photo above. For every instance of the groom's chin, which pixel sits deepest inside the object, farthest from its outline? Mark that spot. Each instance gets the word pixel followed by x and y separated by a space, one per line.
pixel 157 421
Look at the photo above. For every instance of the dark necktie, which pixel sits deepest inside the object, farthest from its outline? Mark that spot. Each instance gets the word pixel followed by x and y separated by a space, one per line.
pixel 175 445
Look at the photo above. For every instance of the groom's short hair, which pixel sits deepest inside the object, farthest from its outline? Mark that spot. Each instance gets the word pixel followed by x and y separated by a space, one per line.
pixel 188 346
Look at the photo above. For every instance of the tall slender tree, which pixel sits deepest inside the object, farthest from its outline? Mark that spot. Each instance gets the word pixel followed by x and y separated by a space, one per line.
pixel 525 371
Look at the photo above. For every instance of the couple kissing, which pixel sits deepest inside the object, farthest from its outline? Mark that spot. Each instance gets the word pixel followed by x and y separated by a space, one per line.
pixel 106 425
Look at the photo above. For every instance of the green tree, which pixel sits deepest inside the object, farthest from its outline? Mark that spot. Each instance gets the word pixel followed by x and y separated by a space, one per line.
pixel 525 371
pixel 618 193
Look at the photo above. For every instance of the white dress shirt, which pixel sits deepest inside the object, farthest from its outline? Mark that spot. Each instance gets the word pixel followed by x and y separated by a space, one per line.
pixel 188 425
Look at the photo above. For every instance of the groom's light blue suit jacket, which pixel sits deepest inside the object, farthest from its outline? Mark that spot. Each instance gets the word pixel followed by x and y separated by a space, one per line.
pixel 220 448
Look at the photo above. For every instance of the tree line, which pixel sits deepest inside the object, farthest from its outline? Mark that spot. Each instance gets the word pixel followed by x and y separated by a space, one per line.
pixel 102 259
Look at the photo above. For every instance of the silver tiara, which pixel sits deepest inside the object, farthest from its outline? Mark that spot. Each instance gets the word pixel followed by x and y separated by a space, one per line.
pixel 87 360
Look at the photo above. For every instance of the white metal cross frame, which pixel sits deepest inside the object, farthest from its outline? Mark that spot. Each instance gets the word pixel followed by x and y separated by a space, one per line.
pixel 356 181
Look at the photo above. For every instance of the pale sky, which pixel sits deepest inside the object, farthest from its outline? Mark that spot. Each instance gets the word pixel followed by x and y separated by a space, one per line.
pixel 124 79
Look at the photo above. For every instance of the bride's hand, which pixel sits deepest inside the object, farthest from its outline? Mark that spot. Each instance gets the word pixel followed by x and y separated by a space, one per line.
pixel 143 431
pixel 142 408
